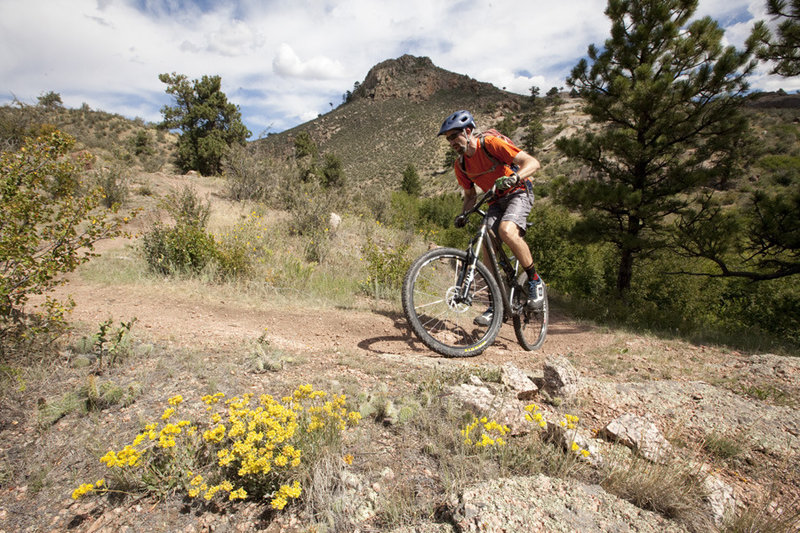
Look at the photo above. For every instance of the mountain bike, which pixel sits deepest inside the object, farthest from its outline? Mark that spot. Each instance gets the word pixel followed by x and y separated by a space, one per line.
pixel 446 289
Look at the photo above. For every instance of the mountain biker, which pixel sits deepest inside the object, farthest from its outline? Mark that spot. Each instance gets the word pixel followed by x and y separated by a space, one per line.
pixel 479 164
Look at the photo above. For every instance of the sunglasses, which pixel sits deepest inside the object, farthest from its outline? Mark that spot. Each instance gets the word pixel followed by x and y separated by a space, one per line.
pixel 453 136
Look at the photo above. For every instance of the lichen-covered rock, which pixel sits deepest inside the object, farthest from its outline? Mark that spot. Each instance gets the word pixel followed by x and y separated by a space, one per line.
pixel 546 504
pixel 561 379
pixel 640 435
pixel 516 380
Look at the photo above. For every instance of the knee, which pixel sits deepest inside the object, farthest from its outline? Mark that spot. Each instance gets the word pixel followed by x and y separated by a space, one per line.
pixel 508 231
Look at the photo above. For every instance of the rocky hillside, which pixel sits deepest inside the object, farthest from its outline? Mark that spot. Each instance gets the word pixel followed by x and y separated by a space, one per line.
pixel 392 119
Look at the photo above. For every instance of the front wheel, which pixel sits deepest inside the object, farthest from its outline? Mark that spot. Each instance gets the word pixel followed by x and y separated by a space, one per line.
pixel 530 325
pixel 443 318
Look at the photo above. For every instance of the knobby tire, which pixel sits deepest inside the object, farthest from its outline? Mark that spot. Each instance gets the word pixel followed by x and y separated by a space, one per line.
pixel 530 326
pixel 444 325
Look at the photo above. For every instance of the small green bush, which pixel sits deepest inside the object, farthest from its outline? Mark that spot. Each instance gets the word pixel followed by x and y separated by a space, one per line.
pixel 186 207
pixel 141 143
pixel 181 249
pixel 187 248
pixel 386 268
pixel 114 184
pixel 233 260
pixel 247 175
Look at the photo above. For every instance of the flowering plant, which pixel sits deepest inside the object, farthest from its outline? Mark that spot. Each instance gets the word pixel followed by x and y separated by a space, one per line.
pixel 243 449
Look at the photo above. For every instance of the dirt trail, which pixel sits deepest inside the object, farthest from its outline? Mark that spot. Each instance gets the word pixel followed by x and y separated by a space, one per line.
pixel 194 322
pixel 185 322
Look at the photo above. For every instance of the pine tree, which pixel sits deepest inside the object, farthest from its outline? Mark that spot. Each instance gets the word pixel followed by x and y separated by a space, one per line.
pixel 411 184
pixel 668 96
pixel 208 123
pixel 783 48
pixel 534 135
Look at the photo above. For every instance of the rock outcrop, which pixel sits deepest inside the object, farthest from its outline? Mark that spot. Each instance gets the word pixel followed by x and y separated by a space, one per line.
pixel 413 78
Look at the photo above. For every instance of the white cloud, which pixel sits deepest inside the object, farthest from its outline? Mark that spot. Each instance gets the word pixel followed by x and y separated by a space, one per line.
pixel 286 63
pixel 287 60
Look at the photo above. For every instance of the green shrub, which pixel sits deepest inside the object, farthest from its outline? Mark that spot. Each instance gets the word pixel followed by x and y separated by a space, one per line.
pixel 248 176
pixel 114 184
pixel 429 215
pixel 141 143
pixel 187 248
pixel 310 207
pixel 181 249
pixel 569 267
pixel 404 210
pixel 47 227
pixel 186 208
pixel 386 268
pixel 332 174
pixel 233 260
pixel 440 211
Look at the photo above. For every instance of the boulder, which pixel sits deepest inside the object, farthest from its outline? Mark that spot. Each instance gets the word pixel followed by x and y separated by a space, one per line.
pixel 640 435
pixel 561 379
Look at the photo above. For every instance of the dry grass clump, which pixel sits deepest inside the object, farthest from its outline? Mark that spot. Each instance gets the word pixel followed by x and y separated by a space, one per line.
pixel 766 515
pixel 674 490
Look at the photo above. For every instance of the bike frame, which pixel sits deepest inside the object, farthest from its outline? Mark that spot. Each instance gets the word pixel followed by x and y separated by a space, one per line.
pixel 486 239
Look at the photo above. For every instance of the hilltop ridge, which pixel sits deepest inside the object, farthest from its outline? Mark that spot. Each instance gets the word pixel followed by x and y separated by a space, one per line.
pixel 392 119
pixel 414 78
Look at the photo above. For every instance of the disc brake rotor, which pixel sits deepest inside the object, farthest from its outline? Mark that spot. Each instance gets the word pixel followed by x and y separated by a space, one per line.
pixel 452 301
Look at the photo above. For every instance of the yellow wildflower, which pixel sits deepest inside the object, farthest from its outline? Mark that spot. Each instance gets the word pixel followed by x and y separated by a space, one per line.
pixel 83 489
pixel 175 400
pixel 240 494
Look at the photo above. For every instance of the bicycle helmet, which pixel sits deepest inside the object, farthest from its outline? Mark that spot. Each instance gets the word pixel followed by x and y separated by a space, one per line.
pixel 457 121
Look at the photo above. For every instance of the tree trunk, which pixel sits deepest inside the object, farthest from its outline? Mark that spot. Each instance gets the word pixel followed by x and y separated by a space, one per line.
pixel 625 273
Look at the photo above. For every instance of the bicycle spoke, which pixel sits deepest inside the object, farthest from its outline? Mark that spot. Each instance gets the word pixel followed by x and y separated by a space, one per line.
pixel 439 310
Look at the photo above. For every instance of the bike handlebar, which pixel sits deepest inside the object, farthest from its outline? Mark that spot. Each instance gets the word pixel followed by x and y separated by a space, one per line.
pixel 488 195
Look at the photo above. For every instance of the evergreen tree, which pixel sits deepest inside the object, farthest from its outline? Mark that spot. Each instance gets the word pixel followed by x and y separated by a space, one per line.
pixel 208 123
pixel 668 94
pixel 50 100
pixel 411 184
pixel 758 239
pixel 305 146
pixel 784 47
pixel 332 172
pixel 534 135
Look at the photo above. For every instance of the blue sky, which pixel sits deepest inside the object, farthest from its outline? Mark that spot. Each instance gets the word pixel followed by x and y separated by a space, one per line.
pixel 286 61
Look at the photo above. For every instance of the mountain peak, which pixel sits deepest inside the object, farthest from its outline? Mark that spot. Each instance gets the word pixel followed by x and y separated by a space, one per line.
pixel 411 78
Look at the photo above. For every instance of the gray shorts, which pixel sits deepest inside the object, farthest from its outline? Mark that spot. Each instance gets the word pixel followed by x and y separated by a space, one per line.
pixel 514 207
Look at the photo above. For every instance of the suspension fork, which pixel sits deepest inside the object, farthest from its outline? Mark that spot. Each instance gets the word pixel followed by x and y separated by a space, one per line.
pixel 467 275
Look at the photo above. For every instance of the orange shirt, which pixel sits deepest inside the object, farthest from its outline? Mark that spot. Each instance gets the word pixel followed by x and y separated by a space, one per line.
pixel 478 165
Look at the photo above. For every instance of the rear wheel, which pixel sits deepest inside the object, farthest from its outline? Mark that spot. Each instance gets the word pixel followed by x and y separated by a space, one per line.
pixel 439 315
pixel 530 325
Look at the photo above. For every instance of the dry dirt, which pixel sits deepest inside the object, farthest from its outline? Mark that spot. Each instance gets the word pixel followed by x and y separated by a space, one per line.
pixel 190 342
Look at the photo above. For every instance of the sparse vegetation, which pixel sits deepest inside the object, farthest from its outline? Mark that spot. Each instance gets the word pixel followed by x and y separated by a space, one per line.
pixel 263 254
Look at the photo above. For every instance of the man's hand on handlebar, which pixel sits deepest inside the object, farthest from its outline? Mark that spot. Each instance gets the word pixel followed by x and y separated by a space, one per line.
pixel 506 182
